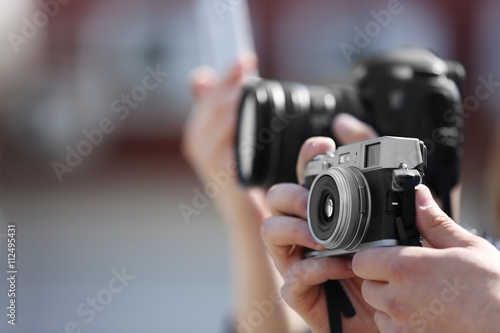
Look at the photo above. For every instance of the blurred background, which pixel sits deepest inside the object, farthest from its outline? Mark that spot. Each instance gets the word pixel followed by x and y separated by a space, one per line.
pixel 67 66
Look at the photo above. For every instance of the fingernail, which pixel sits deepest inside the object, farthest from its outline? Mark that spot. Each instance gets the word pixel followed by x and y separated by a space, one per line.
pixel 349 264
pixel 330 143
pixel 315 246
pixel 424 197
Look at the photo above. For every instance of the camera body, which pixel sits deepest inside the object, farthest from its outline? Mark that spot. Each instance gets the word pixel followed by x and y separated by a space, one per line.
pixel 364 195
pixel 408 92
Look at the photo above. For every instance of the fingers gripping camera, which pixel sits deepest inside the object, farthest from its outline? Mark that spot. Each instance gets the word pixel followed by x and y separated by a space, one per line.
pixel 364 195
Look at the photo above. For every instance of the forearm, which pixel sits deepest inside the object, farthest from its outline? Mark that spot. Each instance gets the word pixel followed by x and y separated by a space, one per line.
pixel 256 288
pixel 256 285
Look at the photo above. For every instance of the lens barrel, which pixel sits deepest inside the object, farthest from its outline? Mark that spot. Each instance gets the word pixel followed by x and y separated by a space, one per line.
pixel 268 132
pixel 339 208
pixel 275 118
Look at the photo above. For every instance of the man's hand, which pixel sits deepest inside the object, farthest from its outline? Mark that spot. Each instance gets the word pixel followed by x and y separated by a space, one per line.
pixel 452 287
pixel 286 235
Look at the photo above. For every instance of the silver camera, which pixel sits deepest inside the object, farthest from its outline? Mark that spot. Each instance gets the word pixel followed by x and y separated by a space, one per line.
pixel 364 195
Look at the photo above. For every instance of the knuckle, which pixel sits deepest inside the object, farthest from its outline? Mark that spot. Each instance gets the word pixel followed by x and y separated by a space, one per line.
pixel 402 265
pixel 395 309
pixel 365 289
pixel 357 263
pixel 285 293
pixel 298 271
pixel 308 270
pixel 272 194
pixel 441 220
pixel 294 280
pixel 303 201
pixel 299 201
pixel 265 230
pixel 396 267
pixel 398 329
pixel 298 232
pixel 295 231
pixel 289 285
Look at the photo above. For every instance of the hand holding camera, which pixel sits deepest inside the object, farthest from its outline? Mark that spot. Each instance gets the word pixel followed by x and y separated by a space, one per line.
pixel 287 238
pixel 412 277
pixel 408 92
pixel 363 195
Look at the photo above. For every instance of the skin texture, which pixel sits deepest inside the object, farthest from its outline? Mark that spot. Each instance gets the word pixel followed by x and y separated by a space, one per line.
pixel 454 286
pixel 286 234
pixel 208 147
pixel 451 286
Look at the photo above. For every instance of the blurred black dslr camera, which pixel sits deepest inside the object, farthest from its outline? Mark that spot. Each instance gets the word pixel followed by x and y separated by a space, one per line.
pixel 364 195
pixel 408 92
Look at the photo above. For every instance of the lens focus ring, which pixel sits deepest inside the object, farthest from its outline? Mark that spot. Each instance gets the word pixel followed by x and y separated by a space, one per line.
pixel 338 208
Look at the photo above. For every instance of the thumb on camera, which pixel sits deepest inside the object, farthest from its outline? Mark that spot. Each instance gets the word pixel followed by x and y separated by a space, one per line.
pixel 437 228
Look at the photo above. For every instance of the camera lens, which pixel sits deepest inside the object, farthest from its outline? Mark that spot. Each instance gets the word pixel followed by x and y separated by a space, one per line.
pixel 270 133
pixel 247 130
pixel 329 207
pixel 275 118
pixel 339 208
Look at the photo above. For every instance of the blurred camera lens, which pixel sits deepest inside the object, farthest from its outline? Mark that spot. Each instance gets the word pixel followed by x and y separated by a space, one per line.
pixel 339 208
pixel 275 118
pixel 247 129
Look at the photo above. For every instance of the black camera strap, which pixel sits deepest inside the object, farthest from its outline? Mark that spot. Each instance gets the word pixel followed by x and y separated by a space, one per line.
pixel 407 229
pixel 337 303
pixel 448 178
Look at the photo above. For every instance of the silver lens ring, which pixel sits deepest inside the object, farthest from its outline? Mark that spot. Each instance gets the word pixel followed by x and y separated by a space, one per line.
pixel 361 218
pixel 352 208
